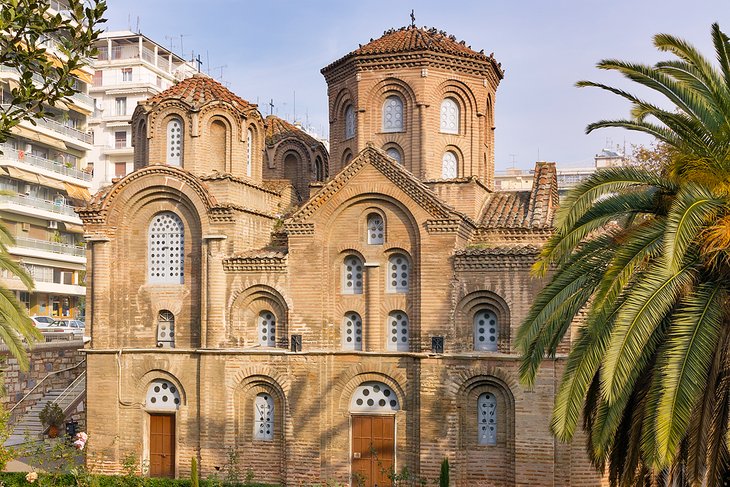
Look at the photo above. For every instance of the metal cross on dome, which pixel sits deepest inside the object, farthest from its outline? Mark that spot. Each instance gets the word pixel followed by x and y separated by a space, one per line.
pixel 413 18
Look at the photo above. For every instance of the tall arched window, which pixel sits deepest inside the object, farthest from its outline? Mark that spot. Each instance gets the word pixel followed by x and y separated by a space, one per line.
pixel 174 142
pixel 267 329
pixel 398 274
pixel 349 122
pixel 486 330
pixel 263 413
pixel 449 116
pixel 395 154
pixel 352 331
pixel 393 114
pixel 165 329
pixel 398 331
pixel 374 396
pixel 352 272
pixel 249 155
pixel 166 249
pixel 162 395
pixel 318 169
pixel 376 229
pixel 487 419
pixel 449 165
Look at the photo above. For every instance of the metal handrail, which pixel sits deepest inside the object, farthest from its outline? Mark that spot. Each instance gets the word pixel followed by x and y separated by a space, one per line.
pixel 41 382
pixel 70 389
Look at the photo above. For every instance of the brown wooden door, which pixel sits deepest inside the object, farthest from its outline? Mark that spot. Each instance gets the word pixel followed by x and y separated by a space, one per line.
pixel 162 445
pixel 373 450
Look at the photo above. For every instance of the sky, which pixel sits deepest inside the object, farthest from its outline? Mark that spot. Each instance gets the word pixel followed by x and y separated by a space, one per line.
pixel 264 50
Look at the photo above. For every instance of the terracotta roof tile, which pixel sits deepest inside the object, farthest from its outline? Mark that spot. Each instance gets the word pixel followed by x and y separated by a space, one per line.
pixel 506 210
pixel 278 129
pixel 199 90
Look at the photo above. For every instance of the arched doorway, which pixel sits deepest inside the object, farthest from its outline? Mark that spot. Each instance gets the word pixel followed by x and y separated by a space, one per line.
pixel 162 402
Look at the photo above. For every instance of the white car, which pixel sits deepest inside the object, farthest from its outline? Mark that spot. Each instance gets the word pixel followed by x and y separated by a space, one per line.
pixel 67 326
pixel 42 321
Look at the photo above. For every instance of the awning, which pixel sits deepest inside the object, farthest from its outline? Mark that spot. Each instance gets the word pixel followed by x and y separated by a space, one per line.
pixel 71 228
pixel 80 74
pixel 16 173
pixel 77 192
pixel 51 183
pixel 38 137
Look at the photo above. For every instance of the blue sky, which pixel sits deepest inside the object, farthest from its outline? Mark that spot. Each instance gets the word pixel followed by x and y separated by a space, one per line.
pixel 275 48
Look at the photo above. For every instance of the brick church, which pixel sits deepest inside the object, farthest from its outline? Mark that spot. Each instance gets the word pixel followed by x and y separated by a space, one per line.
pixel 325 316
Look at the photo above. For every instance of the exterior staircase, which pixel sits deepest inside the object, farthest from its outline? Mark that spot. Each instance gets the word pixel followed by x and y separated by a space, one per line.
pixel 29 428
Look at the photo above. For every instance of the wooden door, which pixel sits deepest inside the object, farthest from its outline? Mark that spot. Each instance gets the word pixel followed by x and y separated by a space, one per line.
pixel 373 450
pixel 162 445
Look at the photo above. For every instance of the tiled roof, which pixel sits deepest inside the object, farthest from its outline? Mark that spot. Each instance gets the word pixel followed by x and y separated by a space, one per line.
pixel 278 129
pixel 525 209
pixel 411 39
pixel 199 90
pixel 265 253
pixel 510 249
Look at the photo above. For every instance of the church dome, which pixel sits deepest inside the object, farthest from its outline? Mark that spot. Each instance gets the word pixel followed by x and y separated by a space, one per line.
pixel 199 90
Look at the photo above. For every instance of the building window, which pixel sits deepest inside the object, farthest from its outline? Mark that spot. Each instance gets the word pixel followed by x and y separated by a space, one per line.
pixel 263 411
pixel 126 74
pixel 449 116
pixel 352 331
pixel 98 78
pixel 318 169
pixel 395 154
pixel 449 165
pixel 249 155
pixel 174 142
pixel 162 395
pixel 346 158
pixel 398 331
pixel 352 275
pixel 165 329
pixel 393 114
pixel 374 396
pixel 376 229
pixel 120 106
pixel 487 419
pixel 349 122
pixel 486 330
pixel 267 329
pixel 120 140
pixel 398 273
pixel 165 260
pixel 120 169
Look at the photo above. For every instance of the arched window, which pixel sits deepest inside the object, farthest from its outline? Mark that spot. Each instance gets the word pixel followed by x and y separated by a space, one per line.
pixel 249 155
pixel 352 331
pixel 162 395
pixel 449 165
pixel 486 330
pixel 346 157
pixel 376 229
pixel 349 122
pixel 449 116
pixel 398 273
pixel 398 331
pixel 267 329
pixel 393 114
pixel 174 142
pixel 374 396
pixel 487 419
pixel 166 250
pixel 165 329
pixel 352 275
pixel 318 169
pixel 263 412
pixel 395 154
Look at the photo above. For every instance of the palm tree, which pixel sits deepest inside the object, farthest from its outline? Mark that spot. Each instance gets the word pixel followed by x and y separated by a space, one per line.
pixel 16 328
pixel 641 264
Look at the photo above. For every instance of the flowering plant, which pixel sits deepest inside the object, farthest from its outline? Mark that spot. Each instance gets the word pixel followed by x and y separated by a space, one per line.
pixel 31 477
pixel 80 440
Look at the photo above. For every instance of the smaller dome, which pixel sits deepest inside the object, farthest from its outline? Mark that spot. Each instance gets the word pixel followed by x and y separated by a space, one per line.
pixel 199 90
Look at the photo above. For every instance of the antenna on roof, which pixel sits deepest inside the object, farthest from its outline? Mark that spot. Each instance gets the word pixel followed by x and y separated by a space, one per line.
pixel 514 158
pixel 413 18
pixel 295 106
pixel 137 31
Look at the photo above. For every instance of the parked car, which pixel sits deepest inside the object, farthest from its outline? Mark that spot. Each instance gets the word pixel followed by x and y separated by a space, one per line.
pixel 42 321
pixel 67 326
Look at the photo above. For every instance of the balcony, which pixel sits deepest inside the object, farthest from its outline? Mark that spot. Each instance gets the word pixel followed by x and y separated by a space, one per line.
pixel 40 204
pixel 44 249
pixel 58 127
pixel 14 156
pixel 79 97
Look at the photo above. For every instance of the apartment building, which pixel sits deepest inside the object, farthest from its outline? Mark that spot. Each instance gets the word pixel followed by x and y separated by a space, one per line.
pixel 129 68
pixel 42 180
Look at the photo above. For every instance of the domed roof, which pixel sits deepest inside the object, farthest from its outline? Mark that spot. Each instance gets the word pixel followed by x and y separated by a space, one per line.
pixel 278 129
pixel 418 39
pixel 199 90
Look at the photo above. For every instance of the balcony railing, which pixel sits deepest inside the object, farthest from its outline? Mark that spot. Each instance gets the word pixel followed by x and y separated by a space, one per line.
pixel 46 246
pixel 58 127
pixel 40 204
pixel 15 155
pixel 80 97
